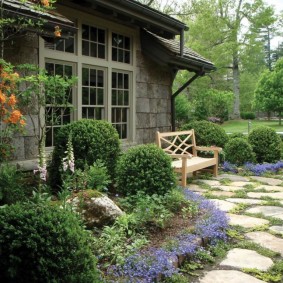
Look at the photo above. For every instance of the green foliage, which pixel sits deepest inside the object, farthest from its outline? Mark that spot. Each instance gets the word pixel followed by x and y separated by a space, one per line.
pixel 97 176
pixel 248 115
pixel 214 103
pixel 11 184
pixel 269 94
pixel 92 140
pixel 151 210
pixel 237 135
pixel 183 109
pixel 118 241
pixel 207 133
pixel 43 243
pixel 144 168
pixel 266 144
pixel 264 276
pixel 238 151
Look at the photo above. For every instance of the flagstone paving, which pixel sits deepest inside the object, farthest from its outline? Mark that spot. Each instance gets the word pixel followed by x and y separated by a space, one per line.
pixel 273 211
pixel 267 241
pixel 276 229
pixel 269 181
pixel 223 205
pixel 242 258
pixel 246 221
pixel 235 191
pixel 244 200
pixel 270 195
pixel 228 276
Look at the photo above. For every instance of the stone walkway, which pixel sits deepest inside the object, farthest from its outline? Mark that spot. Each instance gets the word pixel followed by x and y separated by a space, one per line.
pixel 252 203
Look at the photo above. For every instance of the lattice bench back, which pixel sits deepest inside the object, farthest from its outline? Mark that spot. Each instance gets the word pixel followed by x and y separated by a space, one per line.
pixel 182 142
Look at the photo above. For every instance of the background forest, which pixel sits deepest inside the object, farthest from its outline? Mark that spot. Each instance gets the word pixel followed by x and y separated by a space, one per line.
pixel 237 37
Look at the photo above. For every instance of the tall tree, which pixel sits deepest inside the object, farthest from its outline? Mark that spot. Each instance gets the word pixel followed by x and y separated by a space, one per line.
pixel 269 91
pixel 222 30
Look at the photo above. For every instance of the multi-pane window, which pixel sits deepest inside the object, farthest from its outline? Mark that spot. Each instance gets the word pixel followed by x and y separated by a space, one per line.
pixel 61 44
pixel 57 112
pixel 93 89
pixel 120 102
pixel 104 60
pixel 93 42
pixel 121 48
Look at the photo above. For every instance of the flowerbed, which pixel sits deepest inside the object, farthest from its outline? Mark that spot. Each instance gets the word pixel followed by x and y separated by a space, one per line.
pixel 153 263
pixel 256 169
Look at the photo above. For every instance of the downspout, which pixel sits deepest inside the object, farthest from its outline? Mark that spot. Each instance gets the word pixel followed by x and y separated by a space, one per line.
pixel 173 110
pixel 182 41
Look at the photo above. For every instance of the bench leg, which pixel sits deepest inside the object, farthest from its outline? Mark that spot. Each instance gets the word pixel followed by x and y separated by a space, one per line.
pixel 184 173
pixel 215 170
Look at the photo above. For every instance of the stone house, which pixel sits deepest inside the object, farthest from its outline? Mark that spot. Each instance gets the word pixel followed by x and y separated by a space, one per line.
pixel 125 56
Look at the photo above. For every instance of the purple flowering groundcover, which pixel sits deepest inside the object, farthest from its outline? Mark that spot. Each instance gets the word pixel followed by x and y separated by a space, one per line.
pixel 146 266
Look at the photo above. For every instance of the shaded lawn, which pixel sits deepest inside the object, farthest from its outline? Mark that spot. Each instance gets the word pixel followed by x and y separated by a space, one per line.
pixel 241 126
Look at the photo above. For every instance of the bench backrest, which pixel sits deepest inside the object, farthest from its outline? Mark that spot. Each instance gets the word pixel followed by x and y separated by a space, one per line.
pixel 182 142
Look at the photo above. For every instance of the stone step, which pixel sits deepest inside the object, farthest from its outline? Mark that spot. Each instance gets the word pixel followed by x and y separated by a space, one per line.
pixel 243 258
pixel 266 240
pixel 228 276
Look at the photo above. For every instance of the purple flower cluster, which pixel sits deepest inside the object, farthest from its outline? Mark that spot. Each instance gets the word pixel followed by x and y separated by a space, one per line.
pixel 213 223
pixel 186 244
pixel 256 169
pixel 229 167
pixel 259 169
pixel 146 266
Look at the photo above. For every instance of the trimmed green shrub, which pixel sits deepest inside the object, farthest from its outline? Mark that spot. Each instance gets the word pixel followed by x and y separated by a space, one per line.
pixel 145 168
pixel 207 133
pixel 43 243
pixel 266 144
pixel 238 135
pixel 11 185
pixel 92 140
pixel 247 115
pixel 238 151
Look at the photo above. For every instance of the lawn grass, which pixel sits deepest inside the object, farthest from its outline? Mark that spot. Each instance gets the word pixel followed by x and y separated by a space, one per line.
pixel 241 126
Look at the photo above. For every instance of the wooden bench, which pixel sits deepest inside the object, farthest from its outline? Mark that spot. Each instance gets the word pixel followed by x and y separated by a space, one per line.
pixel 181 146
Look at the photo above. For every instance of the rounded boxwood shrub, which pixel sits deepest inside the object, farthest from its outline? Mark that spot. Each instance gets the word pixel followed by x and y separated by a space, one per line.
pixel 238 135
pixel 145 168
pixel 207 133
pixel 43 243
pixel 238 151
pixel 266 144
pixel 92 140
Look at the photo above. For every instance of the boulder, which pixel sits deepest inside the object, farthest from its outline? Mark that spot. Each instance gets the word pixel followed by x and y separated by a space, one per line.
pixel 95 208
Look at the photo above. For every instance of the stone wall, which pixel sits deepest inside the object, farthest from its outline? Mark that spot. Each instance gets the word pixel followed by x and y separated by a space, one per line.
pixel 24 50
pixel 153 99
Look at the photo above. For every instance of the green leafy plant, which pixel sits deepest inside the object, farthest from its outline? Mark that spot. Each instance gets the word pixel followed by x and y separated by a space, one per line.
pixel 97 176
pixel 238 151
pixel 144 168
pixel 12 188
pixel 266 144
pixel 43 243
pixel 118 241
pixel 151 210
pixel 92 140
pixel 207 133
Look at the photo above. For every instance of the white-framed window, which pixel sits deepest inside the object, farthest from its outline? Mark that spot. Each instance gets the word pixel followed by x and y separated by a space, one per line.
pixel 104 61
pixel 55 115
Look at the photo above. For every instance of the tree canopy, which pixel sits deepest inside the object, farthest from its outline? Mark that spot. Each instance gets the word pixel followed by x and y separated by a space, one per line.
pixel 269 90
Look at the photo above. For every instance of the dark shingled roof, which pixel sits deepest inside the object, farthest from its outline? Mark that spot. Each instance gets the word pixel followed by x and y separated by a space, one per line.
pixel 190 60
pixel 18 9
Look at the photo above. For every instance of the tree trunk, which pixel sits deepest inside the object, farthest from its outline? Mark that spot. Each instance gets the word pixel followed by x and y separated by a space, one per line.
pixel 236 87
pixel 280 119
